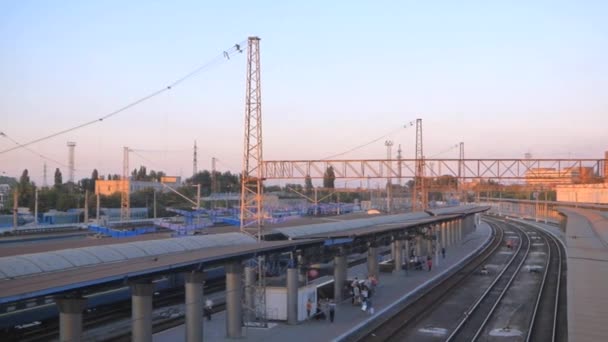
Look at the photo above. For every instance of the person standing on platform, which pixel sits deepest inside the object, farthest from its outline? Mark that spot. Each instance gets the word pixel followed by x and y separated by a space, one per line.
pixel 332 310
pixel 429 263
pixel 308 307
pixel 443 252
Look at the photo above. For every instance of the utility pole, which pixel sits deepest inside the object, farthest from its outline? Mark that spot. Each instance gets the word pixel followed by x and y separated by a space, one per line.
pixel 86 206
pixel 71 146
pixel 97 209
pixel 44 179
pixel 15 208
pixel 194 162
pixel 125 206
pixel 389 185
pixel 154 203
pixel 252 175
pixel 36 206
pixel 461 172
pixel 213 176
pixel 419 204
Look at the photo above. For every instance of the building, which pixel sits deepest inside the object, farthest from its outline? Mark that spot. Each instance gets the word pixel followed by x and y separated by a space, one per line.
pixel 551 177
pixel 108 187
pixel 5 192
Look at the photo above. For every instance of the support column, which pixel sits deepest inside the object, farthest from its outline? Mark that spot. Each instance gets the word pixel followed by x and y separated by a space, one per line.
pixel 459 229
pixel 292 295
pixel 340 271
pixel 443 235
pixel 418 246
pixel 372 262
pixel 398 257
pixel 452 233
pixel 250 293
pixel 141 311
pixel 194 306
pixel 70 318
pixel 429 247
pixel 234 309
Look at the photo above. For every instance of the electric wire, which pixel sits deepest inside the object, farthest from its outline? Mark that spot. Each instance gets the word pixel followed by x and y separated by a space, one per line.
pixel 225 55
pixel 2 134
pixel 411 123
pixel 444 151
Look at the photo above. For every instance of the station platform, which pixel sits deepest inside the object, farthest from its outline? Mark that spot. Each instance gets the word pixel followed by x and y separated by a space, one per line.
pixel 393 289
pixel 587 249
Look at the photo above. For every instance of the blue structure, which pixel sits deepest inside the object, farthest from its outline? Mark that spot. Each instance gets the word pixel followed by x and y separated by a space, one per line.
pixel 121 233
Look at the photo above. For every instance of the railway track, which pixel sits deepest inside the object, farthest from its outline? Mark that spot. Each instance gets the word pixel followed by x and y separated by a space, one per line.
pixel 537 299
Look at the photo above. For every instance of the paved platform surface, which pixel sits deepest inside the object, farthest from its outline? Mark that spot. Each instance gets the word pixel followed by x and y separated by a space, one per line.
pixel 587 248
pixel 391 289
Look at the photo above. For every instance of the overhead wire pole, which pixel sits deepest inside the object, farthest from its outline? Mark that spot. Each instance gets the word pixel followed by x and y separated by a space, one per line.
pixel 389 185
pixel 252 176
pixel 461 175
pixel 419 203
pixel 125 206
pixel 194 162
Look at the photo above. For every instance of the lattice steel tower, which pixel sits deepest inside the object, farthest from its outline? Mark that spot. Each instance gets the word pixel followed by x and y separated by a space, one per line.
pixel 125 206
pixel 71 146
pixel 389 181
pixel 419 195
pixel 252 176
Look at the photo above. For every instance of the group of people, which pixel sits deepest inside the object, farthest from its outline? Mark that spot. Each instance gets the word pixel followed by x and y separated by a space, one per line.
pixel 362 291
pixel 323 307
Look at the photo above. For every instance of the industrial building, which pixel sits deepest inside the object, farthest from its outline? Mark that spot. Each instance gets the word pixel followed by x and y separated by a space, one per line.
pixel 108 187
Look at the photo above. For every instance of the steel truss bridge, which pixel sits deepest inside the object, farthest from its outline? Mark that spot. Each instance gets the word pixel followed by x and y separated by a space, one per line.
pixel 494 169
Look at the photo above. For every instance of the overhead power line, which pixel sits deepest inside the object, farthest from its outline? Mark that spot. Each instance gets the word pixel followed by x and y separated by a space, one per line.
pixel 2 134
pixel 409 124
pixel 224 56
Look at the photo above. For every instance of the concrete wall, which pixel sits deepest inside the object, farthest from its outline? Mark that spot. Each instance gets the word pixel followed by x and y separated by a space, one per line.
pixel 583 193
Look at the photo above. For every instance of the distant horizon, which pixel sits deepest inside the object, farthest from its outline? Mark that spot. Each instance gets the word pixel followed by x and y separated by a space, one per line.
pixel 506 79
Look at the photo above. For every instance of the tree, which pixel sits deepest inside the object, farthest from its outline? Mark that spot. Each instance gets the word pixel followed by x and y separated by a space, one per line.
pixel 25 189
pixel 308 185
pixel 58 178
pixel 329 178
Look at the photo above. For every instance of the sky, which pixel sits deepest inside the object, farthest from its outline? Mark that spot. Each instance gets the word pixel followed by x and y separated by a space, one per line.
pixel 504 77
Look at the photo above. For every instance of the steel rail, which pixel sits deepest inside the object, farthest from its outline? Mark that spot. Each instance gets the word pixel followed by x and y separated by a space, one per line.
pixel 475 306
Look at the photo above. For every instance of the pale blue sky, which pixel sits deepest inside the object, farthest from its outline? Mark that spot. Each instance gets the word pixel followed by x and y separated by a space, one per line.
pixel 505 77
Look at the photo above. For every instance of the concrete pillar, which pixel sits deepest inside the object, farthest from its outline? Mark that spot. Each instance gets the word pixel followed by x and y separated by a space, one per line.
pixel 418 246
pixel 398 256
pixel 372 262
pixel 234 309
pixel 429 247
pixel 141 311
pixel 250 281
pixel 443 234
pixel 340 271
pixel 292 295
pixel 407 249
pixel 451 232
pixel 194 306
pixel 459 229
pixel 70 318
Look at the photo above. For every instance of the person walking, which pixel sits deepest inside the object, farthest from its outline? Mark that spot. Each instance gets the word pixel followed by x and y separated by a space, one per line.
pixel 429 263
pixel 332 310
pixel 208 308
